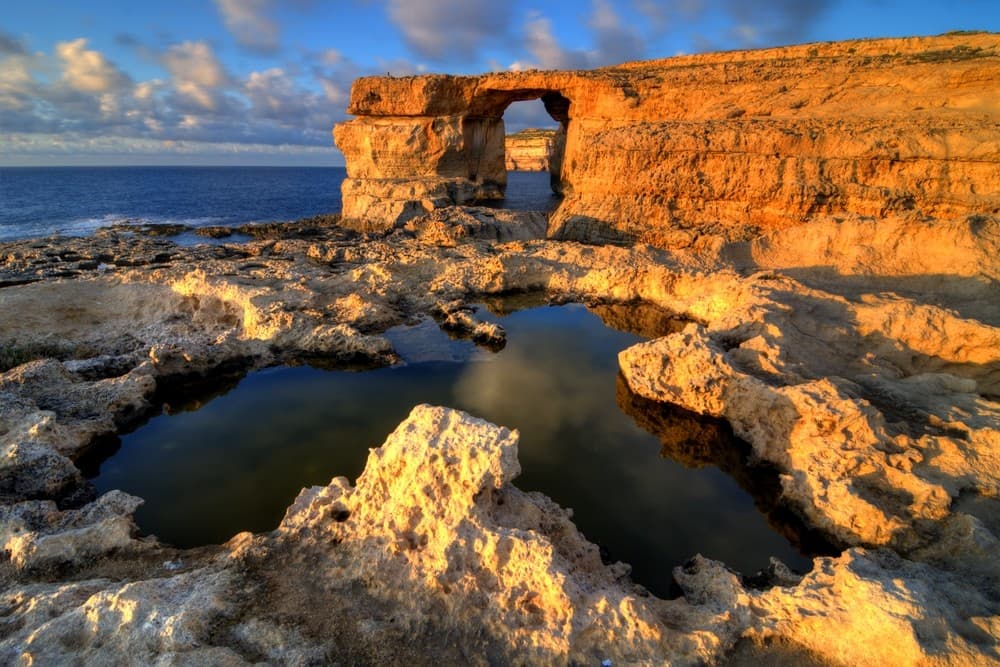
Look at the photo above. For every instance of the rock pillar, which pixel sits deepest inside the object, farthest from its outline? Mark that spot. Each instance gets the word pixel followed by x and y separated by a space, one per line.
pixel 400 166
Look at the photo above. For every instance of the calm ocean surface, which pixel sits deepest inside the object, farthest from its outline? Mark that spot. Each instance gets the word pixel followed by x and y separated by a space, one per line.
pixel 74 201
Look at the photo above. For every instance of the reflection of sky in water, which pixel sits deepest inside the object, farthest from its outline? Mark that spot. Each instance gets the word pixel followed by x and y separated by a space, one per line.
pixel 239 461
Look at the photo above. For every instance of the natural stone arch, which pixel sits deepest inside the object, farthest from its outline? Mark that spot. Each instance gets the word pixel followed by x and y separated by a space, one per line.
pixel 695 151
pixel 484 131
pixel 423 143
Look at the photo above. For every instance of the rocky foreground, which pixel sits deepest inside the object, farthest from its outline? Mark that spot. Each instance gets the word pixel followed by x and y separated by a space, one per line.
pixel 860 358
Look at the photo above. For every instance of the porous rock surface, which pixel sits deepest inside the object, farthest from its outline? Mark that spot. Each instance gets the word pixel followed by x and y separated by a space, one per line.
pixel 726 145
pixel 869 380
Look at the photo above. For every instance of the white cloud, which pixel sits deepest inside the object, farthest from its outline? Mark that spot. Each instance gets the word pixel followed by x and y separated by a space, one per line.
pixel 109 105
pixel 615 42
pixel 438 29
pixel 88 71
pixel 196 63
pixel 334 93
pixel 331 57
pixel 16 82
pixel 196 73
pixel 274 95
pixel 546 50
pixel 69 148
pixel 144 91
pixel 246 20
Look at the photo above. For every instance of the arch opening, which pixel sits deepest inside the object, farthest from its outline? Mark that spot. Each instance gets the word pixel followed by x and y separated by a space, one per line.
pixel 532 163
pixel 491 120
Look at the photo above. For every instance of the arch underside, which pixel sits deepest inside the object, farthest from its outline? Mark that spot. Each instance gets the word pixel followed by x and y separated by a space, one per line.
pixel 404 166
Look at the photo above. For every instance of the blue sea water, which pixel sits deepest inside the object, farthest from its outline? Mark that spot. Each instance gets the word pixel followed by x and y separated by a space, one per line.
pixel 39 201
pixel 74 201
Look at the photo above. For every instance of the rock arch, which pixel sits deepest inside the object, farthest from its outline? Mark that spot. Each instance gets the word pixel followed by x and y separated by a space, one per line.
pixel 412 149
pixel 695 149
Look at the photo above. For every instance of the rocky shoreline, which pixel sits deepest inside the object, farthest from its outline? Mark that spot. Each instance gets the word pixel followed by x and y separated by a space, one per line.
pixel 867 379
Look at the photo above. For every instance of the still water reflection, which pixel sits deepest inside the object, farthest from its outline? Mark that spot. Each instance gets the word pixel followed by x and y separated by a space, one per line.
pixel 625 468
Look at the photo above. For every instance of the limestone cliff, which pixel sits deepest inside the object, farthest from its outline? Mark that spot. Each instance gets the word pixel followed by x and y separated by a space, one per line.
pixel 728 144
pixel 529 150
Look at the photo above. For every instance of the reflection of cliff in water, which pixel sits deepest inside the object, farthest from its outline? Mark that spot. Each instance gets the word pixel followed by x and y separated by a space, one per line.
pixel 696 441
pixel 639 317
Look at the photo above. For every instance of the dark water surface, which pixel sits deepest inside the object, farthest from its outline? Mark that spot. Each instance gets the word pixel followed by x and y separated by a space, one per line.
pixel 238 461
pixel 529 191
pixel 74 201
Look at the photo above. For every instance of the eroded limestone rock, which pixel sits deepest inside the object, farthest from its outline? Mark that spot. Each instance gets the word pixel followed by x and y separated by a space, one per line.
pixel 870 384
pixel 35 535
pixel 434 556
pixel 723 146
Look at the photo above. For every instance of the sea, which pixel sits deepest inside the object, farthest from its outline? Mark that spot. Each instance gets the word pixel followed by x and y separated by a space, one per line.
pixel 74 201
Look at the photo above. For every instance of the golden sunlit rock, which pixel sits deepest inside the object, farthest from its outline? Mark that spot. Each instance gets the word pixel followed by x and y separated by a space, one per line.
pixel 725 145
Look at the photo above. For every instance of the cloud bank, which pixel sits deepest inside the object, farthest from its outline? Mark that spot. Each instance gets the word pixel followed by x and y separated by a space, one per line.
pixel 441 29
pixel 78 96
pixel 289 95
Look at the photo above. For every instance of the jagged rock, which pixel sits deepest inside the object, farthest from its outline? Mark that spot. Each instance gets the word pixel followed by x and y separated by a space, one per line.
pixel 878 609
pixel 167 620
pixel 34 534
pixel 435 557
pixel 446 227
pixel 852 472
pixel 460 319
pixel 33 470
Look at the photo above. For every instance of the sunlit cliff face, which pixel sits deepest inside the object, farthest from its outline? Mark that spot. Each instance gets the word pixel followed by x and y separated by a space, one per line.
pixel 667 152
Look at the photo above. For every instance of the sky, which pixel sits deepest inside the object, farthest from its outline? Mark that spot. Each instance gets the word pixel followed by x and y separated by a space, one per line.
pixel 243 82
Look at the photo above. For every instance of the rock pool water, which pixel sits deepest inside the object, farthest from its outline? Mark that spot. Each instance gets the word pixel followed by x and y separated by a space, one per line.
pixel 644 481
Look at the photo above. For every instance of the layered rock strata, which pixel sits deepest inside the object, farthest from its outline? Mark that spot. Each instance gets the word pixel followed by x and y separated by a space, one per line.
pixel 725 145
pixel 529 150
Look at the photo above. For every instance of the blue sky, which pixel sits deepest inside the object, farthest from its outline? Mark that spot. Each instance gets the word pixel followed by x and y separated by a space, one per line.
pixel 263 81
